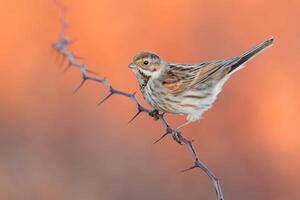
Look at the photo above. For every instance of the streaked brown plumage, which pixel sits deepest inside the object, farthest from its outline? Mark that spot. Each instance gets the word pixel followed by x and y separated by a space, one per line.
pixel 188 89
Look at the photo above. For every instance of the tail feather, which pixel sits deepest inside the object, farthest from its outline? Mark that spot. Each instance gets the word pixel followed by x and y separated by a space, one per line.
pixel 248 55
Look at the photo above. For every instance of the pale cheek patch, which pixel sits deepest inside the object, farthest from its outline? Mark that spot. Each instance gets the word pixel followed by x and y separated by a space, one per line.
pixel 145 72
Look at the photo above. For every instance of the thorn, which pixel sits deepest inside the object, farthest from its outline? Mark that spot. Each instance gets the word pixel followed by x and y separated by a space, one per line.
pixel 169 129
pixel 92 72
pixel 79 86
pixel 68 67
pixel 188 169
pixel 139 112
pixel 132 95
pixel 159 139
pixel 78 57
pixel 109 95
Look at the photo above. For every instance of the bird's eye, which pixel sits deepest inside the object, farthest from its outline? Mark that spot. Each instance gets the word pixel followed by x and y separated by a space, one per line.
pixel 146 62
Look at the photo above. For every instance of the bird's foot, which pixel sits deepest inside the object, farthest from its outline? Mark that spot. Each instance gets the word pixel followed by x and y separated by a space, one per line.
pixel 155 114
pixel 176 134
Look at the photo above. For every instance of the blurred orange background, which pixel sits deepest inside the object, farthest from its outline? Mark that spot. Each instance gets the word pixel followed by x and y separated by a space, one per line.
pixel 56 145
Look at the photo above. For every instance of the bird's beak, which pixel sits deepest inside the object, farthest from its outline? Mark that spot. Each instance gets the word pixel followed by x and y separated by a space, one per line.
pixel 131 65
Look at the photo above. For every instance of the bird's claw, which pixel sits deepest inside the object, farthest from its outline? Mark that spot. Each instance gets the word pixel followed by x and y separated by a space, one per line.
pixel 154 114
pixel 176 134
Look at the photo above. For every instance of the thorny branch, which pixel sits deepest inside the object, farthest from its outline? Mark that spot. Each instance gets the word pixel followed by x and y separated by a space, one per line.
pixel 62 49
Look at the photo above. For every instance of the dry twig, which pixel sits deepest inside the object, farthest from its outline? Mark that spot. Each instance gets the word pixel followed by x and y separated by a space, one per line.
pixel 61 47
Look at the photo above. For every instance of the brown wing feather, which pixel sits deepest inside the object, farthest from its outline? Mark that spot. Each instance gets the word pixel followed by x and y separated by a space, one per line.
pixel 182 77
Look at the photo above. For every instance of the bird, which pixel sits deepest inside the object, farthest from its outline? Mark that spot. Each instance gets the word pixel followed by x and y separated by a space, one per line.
pixel 186 89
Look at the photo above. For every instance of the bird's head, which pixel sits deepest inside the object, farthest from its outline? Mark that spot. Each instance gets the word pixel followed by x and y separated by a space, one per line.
pixel 146 64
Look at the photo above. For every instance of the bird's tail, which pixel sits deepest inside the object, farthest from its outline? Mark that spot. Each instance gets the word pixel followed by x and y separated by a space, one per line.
pixel 248 55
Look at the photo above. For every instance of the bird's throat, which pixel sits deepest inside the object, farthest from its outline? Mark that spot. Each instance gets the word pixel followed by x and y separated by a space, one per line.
pixel 143 80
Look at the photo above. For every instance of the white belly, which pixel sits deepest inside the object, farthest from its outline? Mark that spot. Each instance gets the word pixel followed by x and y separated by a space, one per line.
pixel 193 102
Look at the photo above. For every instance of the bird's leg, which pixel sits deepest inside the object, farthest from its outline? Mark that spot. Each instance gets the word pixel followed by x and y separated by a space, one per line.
pixel 155 114
pixel 176 134
pixel 183 125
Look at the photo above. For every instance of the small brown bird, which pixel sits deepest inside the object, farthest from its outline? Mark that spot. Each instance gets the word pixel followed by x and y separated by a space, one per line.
pixel 188 89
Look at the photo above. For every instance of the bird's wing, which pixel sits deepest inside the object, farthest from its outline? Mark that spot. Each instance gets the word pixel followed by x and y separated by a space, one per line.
pixel 179 78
